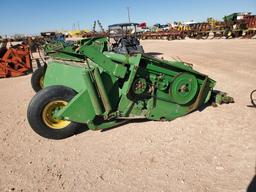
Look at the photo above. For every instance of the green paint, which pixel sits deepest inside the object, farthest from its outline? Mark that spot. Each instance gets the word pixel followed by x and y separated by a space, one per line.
pixel 115 86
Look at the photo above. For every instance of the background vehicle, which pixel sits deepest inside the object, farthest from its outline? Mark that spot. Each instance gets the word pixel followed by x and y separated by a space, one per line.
pixel 125 37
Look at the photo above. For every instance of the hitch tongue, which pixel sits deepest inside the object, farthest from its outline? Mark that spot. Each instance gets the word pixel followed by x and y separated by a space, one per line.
pixel 221 97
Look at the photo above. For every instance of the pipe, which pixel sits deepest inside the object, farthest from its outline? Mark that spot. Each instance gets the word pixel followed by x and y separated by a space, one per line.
pixel 102 90
pixel 92 94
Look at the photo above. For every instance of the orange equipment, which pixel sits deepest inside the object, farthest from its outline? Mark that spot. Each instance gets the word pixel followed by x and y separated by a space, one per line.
pixel 15 61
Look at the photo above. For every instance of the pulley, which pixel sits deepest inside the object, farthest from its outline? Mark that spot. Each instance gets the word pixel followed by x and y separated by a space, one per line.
pixel 139 86
pixel 184 88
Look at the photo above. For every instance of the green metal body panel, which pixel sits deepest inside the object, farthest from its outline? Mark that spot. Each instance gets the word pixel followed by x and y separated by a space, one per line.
pixel 230 17
pixel 74 52
pixel 75 112
pixel 67 53
pixel 64 74
pixel 53 46
pixel 111 87
pixel 98 57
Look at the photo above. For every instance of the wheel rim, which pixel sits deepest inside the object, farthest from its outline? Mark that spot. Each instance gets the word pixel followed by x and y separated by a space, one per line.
pixel 41 82
pixel 48 115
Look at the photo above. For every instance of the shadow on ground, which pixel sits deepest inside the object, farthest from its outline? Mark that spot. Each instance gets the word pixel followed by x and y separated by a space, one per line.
pixel 122 122
pixel 153 53
pixel 127 122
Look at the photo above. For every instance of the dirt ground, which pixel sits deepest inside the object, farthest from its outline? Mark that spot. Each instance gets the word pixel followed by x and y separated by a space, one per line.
pixel 206 151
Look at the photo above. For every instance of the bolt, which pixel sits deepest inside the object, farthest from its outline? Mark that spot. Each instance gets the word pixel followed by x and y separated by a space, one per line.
pixel 183 88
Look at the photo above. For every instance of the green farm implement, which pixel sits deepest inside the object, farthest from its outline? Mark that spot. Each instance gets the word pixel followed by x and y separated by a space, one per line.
pixel 106 89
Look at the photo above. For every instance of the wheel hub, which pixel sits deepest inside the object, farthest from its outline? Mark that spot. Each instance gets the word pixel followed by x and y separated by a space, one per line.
pixel 48 115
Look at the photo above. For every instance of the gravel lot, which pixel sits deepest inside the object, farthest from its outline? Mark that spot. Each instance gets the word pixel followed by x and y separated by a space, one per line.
pixel 211 150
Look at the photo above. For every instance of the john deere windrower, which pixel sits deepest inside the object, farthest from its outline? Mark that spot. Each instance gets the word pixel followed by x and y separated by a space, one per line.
pixel 110 88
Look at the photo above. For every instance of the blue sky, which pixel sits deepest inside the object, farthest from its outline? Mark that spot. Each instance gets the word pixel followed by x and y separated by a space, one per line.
pixel 34 16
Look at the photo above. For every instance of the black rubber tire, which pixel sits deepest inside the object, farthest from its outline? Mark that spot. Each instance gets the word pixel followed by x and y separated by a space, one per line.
pixel 36 76
pixel 36 106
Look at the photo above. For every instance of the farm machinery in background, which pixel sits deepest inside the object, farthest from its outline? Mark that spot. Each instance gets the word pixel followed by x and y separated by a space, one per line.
pixel 240 24
pixel 169 32
pixel 232 26
pixel 212 28
pixel 94 32
pixel 15 60
pixel 124 38
pixel 52 36
pixel 16 53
